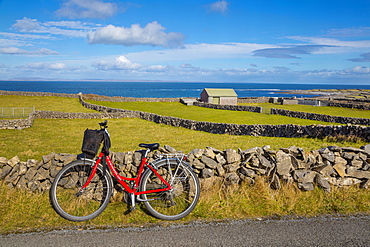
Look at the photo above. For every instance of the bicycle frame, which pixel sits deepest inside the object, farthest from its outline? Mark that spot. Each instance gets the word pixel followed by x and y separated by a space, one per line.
pixel 122 180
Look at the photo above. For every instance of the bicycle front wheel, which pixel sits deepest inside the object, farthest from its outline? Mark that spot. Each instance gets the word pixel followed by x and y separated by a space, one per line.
pixel 73 204
pixel 180 200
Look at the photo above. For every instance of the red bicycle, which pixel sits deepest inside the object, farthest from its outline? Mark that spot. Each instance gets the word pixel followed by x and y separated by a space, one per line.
pixel 167 186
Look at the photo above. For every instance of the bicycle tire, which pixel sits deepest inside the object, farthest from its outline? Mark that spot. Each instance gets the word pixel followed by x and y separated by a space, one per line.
pixel 73 205
pixel 178 202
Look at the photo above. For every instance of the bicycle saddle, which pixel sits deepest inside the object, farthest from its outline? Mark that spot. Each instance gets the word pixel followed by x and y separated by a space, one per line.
pixel 151 146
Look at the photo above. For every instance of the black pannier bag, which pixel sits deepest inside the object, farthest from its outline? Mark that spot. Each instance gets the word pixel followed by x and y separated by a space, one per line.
pixel 91 142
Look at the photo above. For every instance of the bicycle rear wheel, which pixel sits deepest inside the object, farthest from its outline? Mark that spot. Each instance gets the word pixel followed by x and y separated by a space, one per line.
pixel 73 204
pixel 178 202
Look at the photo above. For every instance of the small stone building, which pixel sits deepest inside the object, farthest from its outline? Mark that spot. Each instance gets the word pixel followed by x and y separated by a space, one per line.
pixel 219 96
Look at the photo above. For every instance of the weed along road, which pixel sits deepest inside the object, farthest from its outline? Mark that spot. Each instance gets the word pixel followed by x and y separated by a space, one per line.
pixel 316 231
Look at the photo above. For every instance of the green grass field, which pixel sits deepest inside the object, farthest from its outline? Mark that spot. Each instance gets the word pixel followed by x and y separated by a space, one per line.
pixel 196 113
pixel 24 211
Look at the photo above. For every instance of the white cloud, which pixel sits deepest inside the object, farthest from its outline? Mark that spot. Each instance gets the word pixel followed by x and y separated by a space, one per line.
pixel 47 66
pixel 199 51
pixel 151 34
pixel 350 32
pixel 120 63
pixel 28 25
pixel 219 6
pixel 334 45
pixel 74 9
pixel 18 51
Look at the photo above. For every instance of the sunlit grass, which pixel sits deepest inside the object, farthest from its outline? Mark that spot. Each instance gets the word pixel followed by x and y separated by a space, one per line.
pixel 45 103
pixel 65 136
pixel 27 211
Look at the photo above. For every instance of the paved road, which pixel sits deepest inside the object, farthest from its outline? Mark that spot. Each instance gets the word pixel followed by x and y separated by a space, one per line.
pixel 320 231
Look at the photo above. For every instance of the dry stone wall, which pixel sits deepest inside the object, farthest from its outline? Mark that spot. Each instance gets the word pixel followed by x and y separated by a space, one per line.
pixel 286 130
pixel 321 117
pixel 230 107
pixel 324 168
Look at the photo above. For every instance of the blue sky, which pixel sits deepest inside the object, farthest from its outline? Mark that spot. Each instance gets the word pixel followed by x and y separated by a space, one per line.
pixel 269 41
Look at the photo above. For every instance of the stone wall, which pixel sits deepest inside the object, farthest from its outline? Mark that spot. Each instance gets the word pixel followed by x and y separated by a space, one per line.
pixel 361 104
pixel 230 107
pixel 19 93
pixel 127 99
pixel 18 124
pixel 325 168
pixel 253 100
pixel 321 117
pixel 286 130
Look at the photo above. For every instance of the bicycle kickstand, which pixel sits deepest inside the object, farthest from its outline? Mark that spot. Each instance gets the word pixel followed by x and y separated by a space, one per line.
pixel 133 202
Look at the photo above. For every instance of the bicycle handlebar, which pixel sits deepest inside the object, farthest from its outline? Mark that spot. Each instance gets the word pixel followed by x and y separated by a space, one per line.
pixel 104 124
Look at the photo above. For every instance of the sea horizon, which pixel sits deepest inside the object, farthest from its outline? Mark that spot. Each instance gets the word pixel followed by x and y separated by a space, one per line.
pixel 164 89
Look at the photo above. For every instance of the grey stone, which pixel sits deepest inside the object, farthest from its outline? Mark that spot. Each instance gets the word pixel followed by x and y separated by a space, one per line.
pixel 48 158
pixel 170 149
pixel 305 186
pixel 54 171
pixel 253 150
pixel 5 171
pixel 247 172
pixel 232 156
pixel 42 174
pixel 209 153
pixel 206 173
pixel 197 152
pixel 348 181
pixel 366 148
pixel 322 183
pixel 3 161
pixel 264 162
pixel 328 156
pixel 30 173
pixel 22 168
pixel 13 161
pixel 197 164
pixel 284 165
pixel 325 170
pixel 220 159
pixel 220 170
pixel 349 155
pixel 232 167
pixel 209 162
pixel 357 163
pixel 22 183
pixel 31 163
pixel 359 174
pixel 340 169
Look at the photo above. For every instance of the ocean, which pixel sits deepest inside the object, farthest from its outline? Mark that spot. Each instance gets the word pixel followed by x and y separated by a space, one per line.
pixel 164 89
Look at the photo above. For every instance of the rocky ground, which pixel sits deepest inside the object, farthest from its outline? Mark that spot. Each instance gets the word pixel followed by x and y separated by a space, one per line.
pixel 335 93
